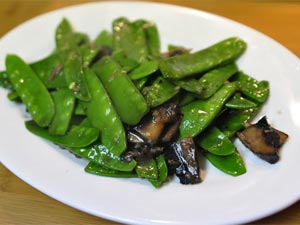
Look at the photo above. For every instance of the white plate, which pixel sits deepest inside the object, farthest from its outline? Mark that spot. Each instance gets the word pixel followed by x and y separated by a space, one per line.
pixel 220 199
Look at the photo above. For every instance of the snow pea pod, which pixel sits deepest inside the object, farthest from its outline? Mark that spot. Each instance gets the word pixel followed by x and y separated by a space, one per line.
pixel 238 102
pixel 162 172
pixel 126 64
pixel 130 38
pixel 211 81
pixel 147 169
pixel 67 39
pixel 199 114
pixel 252 88
pixel 104 38
pixel 64 102
pixel 99 170
pixel 31 90
pixel 50 70
pixel 232 120
pixel 132 106
pixel 190 85
pixel 152 37
pixel 219 54
pixel 74 76
pixel 64 36
pixel 232 164
pixel 159 92
pixel 99 154
pixel 103 116
pixel 77 136
pixel 215 142
pixel 144 70
pixel 88 54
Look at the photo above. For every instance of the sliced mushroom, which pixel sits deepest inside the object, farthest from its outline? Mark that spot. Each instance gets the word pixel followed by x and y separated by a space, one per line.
pixel 154 128
pixel 263 140
pixel 142 152
pixel 182 157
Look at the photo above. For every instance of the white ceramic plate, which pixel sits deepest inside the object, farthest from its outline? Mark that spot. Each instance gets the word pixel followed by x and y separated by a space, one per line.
pixel 219 199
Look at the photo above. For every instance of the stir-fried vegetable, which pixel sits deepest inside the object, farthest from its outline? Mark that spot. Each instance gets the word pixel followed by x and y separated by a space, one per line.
pixel 132 111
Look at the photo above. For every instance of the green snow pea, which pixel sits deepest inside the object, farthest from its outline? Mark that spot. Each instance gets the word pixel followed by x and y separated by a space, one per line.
pixel 221 53
pixel 132 106
pixel 199 114
pixel 251 88
pixel 77 136
pixel 103 116
pixel 31 90
pixel 99 170
pixel 232 120
pixel 143 70
pixel 74 76
pixel 162 172
pixel 99 154
pixel 211 81
pixel 215 142
pixel 64 102
pixel 104 38
pixel 238 102
pixel 232 164
pixel 130 38
pixel 126 64
pixel 152 37
pixel 50 70
pixel 88 54
pixel 147 169
pixel 190 85
pixel 159 92
pixel 64 36
pixel 67 39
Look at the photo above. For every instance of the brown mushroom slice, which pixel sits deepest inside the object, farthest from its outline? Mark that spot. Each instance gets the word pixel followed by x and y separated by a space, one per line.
pixel 263 140
pixel 170 132
pixel 155 123
pixel 182 159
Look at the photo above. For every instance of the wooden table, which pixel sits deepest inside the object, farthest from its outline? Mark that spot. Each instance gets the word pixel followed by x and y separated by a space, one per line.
pixel 21 204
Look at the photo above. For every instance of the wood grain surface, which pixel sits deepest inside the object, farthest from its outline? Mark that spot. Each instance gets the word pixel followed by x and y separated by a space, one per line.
pixel 20 204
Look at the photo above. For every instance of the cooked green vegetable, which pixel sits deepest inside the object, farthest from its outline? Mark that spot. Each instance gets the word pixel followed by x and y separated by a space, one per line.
pixel 219 54
pixel 64 102
pixel 232 164
pixel 127 99
pixel 251 88
pixel 214 141
pixel 99 170
pixel 100 155
pixel 31 90
pixel 159 92
pixel 74 76
pixel 103 116
pixel 132 111
pixel 77 136
pixel 199 114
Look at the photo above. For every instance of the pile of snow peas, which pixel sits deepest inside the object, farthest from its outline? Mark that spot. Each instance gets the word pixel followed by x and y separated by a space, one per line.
pixel 86 93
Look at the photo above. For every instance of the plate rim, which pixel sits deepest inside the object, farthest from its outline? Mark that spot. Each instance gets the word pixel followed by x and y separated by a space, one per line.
pixel 177 7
